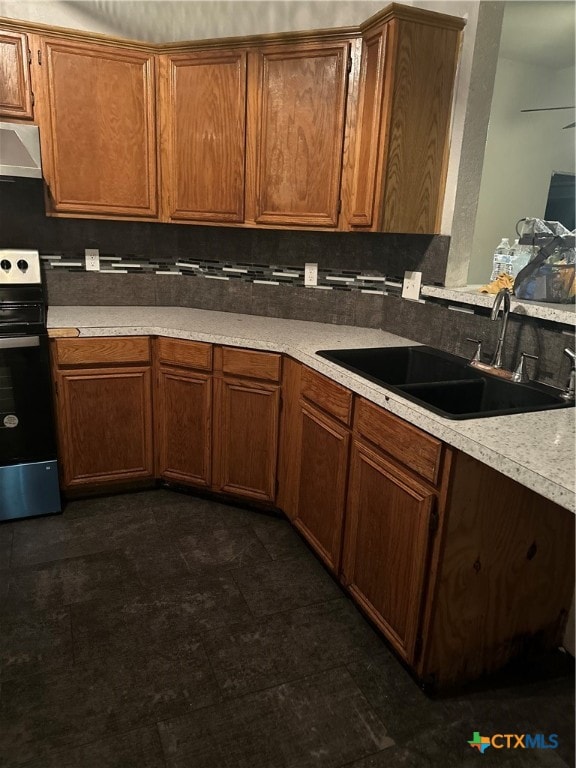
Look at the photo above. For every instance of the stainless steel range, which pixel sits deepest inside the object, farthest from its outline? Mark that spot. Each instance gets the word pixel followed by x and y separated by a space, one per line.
pixel 28 465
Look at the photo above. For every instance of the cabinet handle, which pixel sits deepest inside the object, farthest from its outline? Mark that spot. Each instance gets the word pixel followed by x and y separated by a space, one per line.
pixel 20 342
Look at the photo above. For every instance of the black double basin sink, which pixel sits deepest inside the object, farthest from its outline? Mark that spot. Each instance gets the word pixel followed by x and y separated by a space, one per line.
pixel 445 384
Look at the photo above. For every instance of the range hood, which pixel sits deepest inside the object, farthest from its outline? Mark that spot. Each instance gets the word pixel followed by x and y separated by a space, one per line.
pixel 20 150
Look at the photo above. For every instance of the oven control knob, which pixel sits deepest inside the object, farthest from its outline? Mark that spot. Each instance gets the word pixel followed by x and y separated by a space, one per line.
pixel 6 265
pixel 22 265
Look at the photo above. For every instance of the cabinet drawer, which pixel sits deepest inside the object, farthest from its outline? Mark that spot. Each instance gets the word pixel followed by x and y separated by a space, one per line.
pixel 248 362
pixel 190 354
pixel 104 350
pixel 410 446
pixel 328 395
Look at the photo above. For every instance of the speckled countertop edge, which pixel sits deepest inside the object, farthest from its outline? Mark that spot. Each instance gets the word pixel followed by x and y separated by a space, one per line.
pixel 535 449
pixel 557 313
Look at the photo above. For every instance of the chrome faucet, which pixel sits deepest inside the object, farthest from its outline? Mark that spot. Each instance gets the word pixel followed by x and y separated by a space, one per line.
pixel 503 295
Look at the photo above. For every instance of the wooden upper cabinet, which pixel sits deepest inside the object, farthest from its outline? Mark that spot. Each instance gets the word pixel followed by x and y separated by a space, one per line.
pixel 15 89
pixel 99 137
pixel 297 100
pixel 402 128
pixel 368 130
pixel 204 128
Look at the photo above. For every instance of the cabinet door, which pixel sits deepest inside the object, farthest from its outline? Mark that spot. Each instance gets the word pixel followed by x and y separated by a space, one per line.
pixel 105 422
pixel 204 127
pixel 386 545
pixel 15 91
pixel 399 138
pixel 297 103
pixel 367 179
pixel 99 149
pixel 183 406
pixel 246 438
pixel 322 487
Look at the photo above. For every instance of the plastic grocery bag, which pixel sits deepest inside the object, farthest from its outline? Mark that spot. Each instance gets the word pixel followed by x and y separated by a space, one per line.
pixel 549 276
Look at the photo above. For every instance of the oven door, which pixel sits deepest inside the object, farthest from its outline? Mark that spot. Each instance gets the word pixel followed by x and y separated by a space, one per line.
pixel 26 417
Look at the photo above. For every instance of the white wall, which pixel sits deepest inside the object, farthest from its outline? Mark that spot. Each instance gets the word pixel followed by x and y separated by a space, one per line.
pixel 522 151
pixel 171 20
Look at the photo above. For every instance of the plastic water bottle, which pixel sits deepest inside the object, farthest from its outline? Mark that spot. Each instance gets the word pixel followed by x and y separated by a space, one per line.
pixel 501 261
pixel 520 255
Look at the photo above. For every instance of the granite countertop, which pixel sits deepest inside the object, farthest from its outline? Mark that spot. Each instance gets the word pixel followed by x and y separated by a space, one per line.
pixel 535 449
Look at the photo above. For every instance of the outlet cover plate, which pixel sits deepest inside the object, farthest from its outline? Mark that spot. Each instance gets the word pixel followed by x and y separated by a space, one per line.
pixel 310 274
pixel 411 285
pixel 92 256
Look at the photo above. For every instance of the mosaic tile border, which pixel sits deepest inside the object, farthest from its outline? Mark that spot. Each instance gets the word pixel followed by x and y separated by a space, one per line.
pixel 367 281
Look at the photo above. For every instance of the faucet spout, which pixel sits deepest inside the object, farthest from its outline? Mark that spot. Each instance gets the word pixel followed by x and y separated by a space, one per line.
pixel 503 295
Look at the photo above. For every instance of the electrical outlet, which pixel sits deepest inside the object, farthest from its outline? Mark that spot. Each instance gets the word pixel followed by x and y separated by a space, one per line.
pixel 310 274
pixel 411 285
pixel 92 256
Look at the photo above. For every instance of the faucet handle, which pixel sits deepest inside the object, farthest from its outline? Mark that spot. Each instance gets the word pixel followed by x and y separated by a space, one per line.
pixel 520 374
pixel 572 357
pixel 478 354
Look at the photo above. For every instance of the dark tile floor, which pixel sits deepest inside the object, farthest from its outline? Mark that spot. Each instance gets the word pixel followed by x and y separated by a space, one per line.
pixel 159 630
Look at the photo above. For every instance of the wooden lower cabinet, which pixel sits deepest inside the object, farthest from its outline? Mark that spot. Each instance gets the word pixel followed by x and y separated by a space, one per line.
pixel 246 438
pixel 183 409
pixel 105 420
pixel 246 423
pixel 323 468
pixel 386 551
pixel 103 389
pixel 460 568
pixel 502 580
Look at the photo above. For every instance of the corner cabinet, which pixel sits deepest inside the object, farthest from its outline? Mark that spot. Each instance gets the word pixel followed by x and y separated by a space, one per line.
pixel 16 100
pixel 297 104
pixel 103 389
pixel 98 120
pixel 216 417
pixel 203 119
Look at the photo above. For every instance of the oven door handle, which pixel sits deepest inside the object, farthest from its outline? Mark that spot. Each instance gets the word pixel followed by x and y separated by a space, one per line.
pixel 18 342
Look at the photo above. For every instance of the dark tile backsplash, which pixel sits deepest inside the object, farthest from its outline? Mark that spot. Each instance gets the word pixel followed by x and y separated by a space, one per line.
pixel 232 270
pixel 436 325
pixel 23 224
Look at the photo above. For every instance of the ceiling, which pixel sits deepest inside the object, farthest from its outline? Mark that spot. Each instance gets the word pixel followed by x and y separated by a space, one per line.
pixel 540 33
